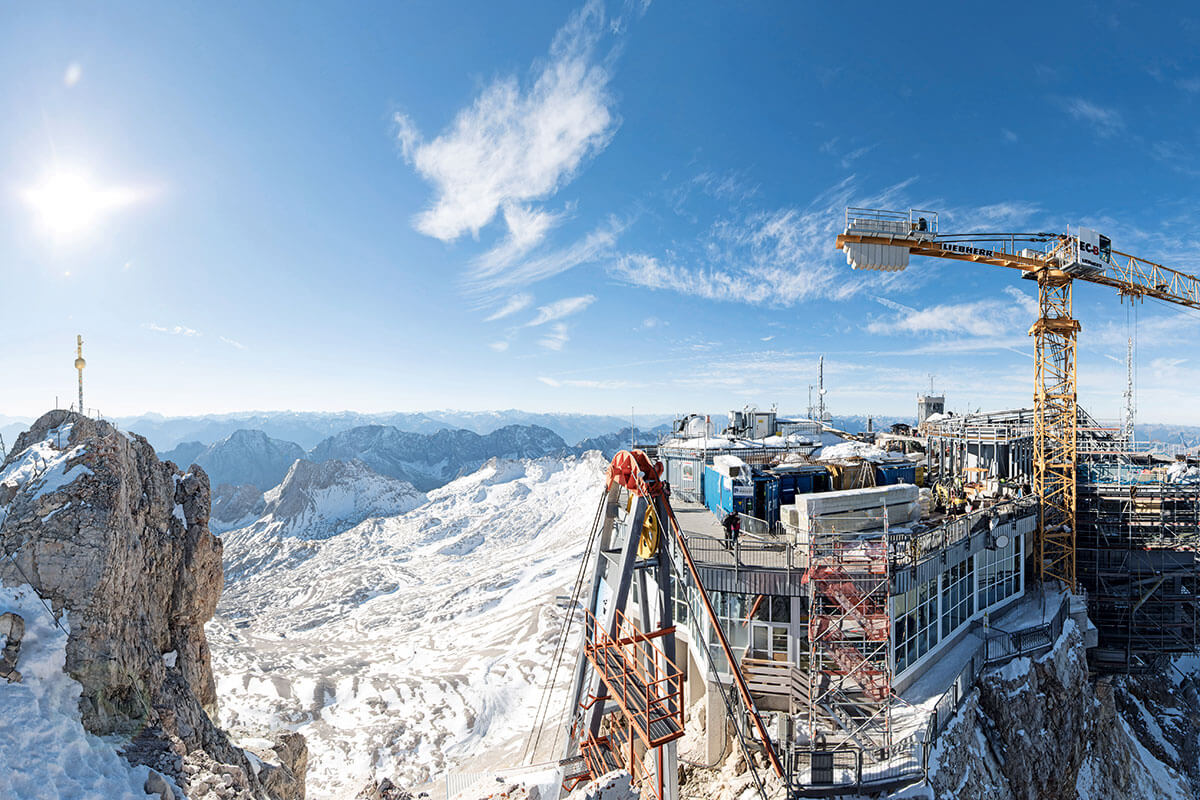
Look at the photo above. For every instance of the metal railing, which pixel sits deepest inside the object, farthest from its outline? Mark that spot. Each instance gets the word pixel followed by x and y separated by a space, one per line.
pixel 907 549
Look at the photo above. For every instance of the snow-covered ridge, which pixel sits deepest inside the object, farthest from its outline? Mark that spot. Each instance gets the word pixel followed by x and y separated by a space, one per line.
pixel 409 643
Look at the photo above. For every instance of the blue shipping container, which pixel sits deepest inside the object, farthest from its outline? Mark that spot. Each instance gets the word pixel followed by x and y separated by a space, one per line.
pixel 890 474
pixel 722 495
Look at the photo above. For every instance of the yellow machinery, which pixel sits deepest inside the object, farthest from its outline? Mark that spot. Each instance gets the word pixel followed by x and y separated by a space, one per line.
pixel 883 240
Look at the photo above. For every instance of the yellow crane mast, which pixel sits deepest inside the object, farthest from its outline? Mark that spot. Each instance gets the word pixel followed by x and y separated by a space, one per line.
pixel 876 239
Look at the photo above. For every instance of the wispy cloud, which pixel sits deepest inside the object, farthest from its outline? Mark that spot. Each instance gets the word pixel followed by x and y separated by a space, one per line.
pixel 1008 136
pixel 993 321
pixel 233 343
pixel 515 303
pixel 515 143
pixel 499 346
pixel 1004 216
pixel 589 249
pixel 560 309
pixel 73 74
pixel 556 338
pixel 527 227
pixel 779 257
pixel 585 383
pixel 1189 85
pixel 174 330
pixel 1105 122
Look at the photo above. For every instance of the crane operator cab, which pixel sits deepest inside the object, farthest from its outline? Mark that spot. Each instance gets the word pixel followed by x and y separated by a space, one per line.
pixel 1089 254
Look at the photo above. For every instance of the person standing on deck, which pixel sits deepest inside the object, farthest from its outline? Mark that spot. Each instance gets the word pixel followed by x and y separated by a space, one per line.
pixel 733 526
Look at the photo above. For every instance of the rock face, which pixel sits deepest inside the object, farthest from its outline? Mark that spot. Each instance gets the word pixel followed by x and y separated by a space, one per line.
pixel 101 528
pixel 235 506
pixel 428 461
pixel 1040 730
pixel 245 457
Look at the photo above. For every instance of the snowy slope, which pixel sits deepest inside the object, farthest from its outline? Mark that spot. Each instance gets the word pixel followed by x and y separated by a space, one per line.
pixel 41 731
pixel 315 501
pixel 408 644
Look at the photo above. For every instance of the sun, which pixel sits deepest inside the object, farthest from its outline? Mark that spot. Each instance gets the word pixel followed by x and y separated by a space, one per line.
pixel 69 203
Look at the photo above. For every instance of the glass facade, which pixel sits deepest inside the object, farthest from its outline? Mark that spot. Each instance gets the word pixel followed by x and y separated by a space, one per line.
pixel 958 595
pixel 915 629
pixel 938 608
pixel 999 573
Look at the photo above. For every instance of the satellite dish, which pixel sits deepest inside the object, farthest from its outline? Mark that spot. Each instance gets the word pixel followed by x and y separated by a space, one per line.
pixel 1002 541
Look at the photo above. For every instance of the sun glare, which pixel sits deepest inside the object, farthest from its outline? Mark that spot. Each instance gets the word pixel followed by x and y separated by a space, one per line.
pixel 68 204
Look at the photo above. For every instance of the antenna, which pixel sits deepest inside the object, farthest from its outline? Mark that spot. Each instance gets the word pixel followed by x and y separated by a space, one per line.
pixel 79 365
pixel 821 389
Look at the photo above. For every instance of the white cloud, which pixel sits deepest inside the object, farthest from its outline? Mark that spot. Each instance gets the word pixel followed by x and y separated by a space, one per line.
pixel 653 322
pixel 1105 122
pixel 72 75
pixel 517 143
pixel 995 322
pixel 586 383
pixel 560 309
pixel 1008 136
pixel 556 338
pixel 233 343
pixel 527 228
pixel 518 302
pixel 499 346
pixel 174 330
pixel 779 257
pixel 990 218
pixel 591 248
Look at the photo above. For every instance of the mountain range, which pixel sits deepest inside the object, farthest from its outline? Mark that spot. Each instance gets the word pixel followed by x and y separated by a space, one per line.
pixel 308 429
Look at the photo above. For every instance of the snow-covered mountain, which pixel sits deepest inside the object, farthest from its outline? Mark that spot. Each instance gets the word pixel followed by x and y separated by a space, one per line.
pixel 315 501
pixel 429 461
pixel 244 456
pixel 411 643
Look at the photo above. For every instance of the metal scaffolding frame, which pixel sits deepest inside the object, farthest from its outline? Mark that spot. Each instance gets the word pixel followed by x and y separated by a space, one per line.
pixel 1137 551
pixel 850 673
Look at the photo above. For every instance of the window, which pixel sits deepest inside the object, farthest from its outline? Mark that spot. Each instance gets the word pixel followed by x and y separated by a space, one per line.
pixel 958 595
pixel 680 594
pixel 731 609
pixel 999 573
pixel 915 631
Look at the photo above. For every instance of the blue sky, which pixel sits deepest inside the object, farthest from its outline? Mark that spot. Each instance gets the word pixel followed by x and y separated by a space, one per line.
pixel 562 207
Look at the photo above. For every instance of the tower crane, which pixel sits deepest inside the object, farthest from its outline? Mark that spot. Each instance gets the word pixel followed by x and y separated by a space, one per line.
pixel 876 239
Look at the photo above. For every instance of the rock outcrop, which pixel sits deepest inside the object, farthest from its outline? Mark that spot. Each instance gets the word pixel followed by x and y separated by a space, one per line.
pixel 105 531
pixel 1039 729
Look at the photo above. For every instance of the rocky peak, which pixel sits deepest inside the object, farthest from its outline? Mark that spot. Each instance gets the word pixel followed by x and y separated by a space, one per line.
pixel 120 541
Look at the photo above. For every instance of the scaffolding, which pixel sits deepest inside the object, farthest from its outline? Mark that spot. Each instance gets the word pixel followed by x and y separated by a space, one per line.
pixel 850 677
pixel 1137 551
